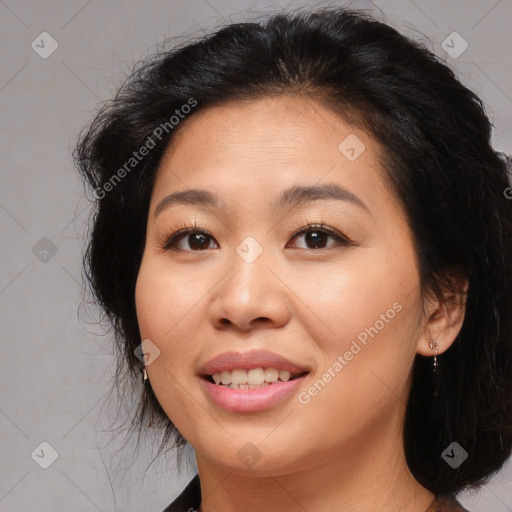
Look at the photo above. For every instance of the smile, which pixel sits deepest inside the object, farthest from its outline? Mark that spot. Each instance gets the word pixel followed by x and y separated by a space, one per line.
pixel 254 378
pixel 250 381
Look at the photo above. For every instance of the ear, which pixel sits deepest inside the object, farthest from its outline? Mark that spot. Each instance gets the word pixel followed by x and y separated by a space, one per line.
pixel 443 316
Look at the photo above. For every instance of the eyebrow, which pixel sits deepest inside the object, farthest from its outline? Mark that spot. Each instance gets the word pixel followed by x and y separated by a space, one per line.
pixel 303 194
pixel 293 196
pixel 194 197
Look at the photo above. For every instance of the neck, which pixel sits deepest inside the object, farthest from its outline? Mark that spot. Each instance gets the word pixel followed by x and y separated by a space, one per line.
pixel 369 473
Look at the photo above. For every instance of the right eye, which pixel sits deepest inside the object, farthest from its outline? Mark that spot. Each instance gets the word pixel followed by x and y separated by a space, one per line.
pixel 189 239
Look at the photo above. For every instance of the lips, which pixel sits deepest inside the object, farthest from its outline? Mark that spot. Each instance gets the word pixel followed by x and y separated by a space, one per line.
pixel 249 360
pixel 250 381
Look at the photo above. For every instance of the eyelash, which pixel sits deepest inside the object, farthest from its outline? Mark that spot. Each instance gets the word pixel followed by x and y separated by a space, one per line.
pixel 173 238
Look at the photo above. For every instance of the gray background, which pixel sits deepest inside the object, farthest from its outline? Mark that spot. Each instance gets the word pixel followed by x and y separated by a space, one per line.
pixel 55 371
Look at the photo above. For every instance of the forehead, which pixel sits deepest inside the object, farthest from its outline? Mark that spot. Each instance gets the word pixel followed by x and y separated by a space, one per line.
pixel 263 146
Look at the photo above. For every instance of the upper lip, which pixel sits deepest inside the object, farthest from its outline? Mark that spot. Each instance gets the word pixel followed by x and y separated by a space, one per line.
pixel 247 360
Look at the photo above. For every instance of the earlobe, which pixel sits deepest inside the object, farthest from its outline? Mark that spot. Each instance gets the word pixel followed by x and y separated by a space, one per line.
pixel 444 318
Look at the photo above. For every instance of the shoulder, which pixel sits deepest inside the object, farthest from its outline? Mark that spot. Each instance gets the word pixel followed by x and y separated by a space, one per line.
pixel 189 499
pixel 446 503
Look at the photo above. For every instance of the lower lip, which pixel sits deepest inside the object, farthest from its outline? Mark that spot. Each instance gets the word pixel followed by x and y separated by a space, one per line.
pixel 250 400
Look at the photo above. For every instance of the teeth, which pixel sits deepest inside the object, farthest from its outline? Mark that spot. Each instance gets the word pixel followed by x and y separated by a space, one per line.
pixel 284 375
pixel 271 375
pixel 249 386
pixel 250 379
pixel 238 377
pixel 255 376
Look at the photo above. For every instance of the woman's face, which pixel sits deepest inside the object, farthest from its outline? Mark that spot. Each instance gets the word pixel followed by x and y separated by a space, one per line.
pixel 339 306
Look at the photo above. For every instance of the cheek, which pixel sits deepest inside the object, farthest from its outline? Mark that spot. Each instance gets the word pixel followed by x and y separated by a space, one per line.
pixel 370 314
pixel 164 299
pixel 361 298
pixel 151 300
pixel 160 313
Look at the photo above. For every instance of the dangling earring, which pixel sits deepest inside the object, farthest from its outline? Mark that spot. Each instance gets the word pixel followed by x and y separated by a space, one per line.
pixel 144 380
pixel 433 345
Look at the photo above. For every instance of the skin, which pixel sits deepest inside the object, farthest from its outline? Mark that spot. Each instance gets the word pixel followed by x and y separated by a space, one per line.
pixel 342 450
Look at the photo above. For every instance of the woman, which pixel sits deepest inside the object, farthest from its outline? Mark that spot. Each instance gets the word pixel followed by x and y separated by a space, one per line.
pixel 302 231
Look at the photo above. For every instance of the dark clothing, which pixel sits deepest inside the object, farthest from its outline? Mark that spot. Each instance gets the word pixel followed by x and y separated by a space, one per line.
pixel 446 503
pixel 190 499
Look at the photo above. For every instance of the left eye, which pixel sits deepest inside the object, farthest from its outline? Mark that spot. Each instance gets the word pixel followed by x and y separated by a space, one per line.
pixel 318 238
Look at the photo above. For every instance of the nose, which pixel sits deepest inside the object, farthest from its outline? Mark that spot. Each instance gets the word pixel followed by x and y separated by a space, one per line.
pixel 250 296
